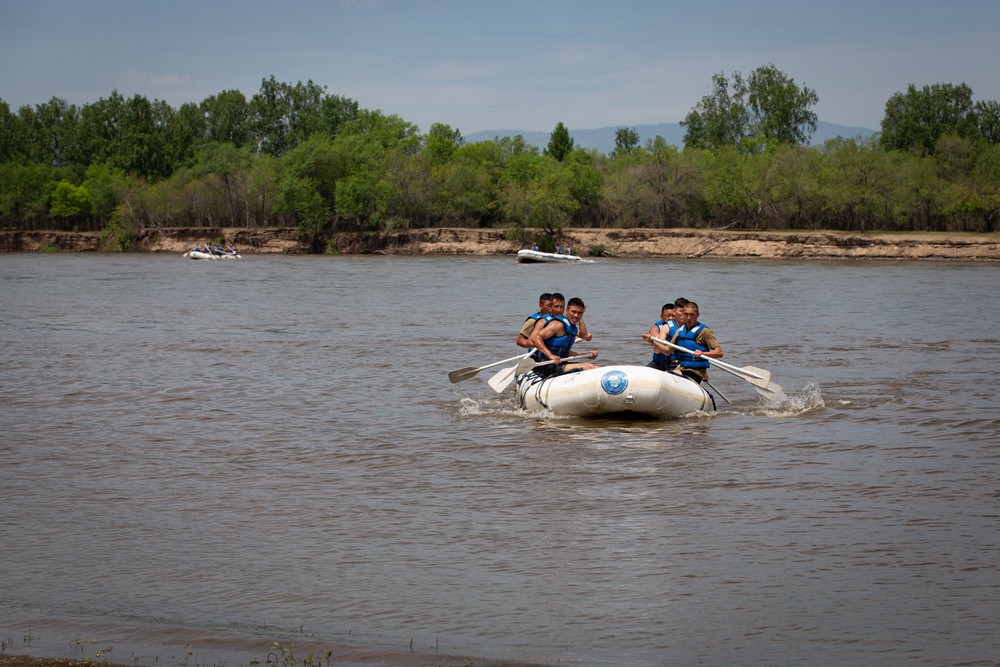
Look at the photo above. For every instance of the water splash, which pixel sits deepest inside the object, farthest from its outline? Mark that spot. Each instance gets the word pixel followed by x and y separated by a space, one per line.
pixel 790 403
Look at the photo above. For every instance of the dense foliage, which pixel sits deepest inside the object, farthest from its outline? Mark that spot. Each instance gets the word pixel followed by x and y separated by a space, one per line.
pixel 767 108
pixel 293 155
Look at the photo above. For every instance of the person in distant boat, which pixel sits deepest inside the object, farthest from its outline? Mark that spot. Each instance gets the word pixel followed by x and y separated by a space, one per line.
pixel 664 329
pixel 699 343
pixel 544 307
pixel 558 249
pixel 569 250
pixel 555 341
pixel 535 247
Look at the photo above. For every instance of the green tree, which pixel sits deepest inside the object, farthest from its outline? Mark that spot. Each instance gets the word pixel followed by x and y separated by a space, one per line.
pixel 182 132
pixel 309 181
pixel 357 199
pixel 560 143
pixel 626 198
pixel 861 183
pixel 767 108
pixel 57 129
pixel 983 200
pixel 543 202
pixel 918 118
pixel 227 118
pixel 407 188
pixel 263 192
pixel 223 169
pixel 378 131
pixel 337 112
pixel 512 147
pixel 282 115
pixel 467 184
pixel 8 133
pixel 720 118
pixel 987 114
pixel 141 148
pixel 24 194
pixel 442 143
pixel 626 140
pixel 103 183
pixel 130 134
pixel 780 109
pixel 100 128
pixel 69 201
pixel 585 181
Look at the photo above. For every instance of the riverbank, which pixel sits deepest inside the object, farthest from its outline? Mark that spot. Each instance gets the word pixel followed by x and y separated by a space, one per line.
pixel 674 243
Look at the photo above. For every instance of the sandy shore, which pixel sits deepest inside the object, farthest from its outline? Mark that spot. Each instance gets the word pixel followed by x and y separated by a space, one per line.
pixel 673 243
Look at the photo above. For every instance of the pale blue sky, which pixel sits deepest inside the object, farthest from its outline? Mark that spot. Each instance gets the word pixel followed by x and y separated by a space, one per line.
pixel 509 64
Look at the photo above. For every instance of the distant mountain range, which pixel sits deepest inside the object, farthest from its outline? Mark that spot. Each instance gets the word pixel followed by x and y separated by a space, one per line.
pixel 603 138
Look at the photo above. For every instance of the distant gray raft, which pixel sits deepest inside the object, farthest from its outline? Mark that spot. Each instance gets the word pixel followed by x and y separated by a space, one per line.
pixel 536 256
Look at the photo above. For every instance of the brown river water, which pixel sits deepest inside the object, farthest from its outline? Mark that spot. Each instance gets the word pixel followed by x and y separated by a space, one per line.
pixel 198 459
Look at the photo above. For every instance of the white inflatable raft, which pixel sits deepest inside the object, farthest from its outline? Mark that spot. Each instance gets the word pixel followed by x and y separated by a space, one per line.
pixel 530 256
pixel 613 389
pixel 197 254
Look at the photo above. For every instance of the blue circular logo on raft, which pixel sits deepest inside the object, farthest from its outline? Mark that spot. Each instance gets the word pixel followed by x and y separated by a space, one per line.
pixel 614 382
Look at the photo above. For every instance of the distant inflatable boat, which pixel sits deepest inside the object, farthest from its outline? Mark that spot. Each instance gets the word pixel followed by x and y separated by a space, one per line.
pixel 535 256
pixel 197 254
pixel 613 390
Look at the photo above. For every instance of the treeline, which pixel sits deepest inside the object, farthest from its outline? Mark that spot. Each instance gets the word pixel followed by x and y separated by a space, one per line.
pixel 294 156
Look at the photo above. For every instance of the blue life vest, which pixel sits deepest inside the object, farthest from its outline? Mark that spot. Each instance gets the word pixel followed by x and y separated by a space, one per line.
pixel 559 345
pixel 685 338
pixel 660 357
pixel 536 355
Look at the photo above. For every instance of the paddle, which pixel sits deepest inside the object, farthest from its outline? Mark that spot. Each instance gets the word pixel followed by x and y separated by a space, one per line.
pixel 462 374
pixel 723 396
pixel 506 376
pixel 758 377
pixel 529 364
pixel 502 380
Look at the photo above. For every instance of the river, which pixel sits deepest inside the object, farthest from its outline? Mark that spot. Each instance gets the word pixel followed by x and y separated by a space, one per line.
pixel 210 462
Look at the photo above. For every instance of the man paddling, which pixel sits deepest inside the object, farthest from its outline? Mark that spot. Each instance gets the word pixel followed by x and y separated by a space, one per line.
pixel 544 307
pixel 699 342
pixel 664 329
pixel 557 307
pixel 555 340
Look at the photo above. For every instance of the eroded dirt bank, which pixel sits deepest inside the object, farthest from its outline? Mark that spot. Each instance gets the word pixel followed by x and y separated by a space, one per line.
pixel 615 242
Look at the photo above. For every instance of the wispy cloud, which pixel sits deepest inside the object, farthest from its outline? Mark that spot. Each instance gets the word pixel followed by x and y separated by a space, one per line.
pixel 136 78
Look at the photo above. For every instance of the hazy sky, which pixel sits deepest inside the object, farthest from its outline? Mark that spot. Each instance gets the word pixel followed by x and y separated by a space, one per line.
pixel 507 64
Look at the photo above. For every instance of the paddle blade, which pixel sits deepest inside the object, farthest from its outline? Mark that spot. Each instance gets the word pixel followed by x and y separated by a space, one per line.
pixel 525 366
pixel 756 376
pixel 462 374
pixel 770 391
pixel 502 380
